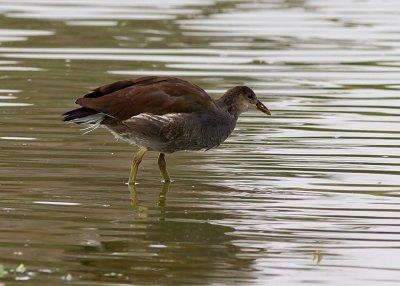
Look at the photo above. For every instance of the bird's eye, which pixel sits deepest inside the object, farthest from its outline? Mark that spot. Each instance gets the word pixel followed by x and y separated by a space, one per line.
pixel 250 96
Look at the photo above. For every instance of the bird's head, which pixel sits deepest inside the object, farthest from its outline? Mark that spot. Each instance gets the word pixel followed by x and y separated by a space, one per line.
pixel 243 98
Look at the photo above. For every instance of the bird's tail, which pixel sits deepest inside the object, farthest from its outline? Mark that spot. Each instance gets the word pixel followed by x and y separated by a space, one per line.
pixel 85 115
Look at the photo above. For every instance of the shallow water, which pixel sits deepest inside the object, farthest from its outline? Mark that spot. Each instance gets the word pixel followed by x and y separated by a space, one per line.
pixel 308 196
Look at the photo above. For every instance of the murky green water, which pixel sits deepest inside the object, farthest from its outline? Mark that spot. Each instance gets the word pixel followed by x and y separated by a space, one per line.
pixel 309 196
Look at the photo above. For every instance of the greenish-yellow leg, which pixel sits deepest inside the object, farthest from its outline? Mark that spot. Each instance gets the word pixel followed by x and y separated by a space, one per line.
pixel 163 167
pixel 135 165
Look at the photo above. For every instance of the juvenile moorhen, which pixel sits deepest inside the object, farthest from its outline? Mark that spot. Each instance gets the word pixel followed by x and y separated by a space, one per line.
pixel 163 114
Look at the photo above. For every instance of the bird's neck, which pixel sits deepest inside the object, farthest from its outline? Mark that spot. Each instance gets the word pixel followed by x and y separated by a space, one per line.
pixel 226 103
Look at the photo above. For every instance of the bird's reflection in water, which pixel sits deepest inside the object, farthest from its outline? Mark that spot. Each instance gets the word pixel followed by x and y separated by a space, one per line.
pixel 142 210
pixel 179 240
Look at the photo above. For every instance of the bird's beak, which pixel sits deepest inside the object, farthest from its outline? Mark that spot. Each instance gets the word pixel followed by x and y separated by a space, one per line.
pixel 260 106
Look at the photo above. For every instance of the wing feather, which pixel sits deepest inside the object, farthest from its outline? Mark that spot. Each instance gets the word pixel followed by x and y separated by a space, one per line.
pixel 154 95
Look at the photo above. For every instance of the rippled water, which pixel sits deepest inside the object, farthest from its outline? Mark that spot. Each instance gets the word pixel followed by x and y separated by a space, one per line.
pixel 308 196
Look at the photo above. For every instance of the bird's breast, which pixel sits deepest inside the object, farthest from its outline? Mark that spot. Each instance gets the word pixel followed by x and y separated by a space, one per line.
pixel 196 131
pixel 175 131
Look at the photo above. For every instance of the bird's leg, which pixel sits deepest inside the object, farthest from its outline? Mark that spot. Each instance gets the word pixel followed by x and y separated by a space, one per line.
pixel 135 165
pixel 163 167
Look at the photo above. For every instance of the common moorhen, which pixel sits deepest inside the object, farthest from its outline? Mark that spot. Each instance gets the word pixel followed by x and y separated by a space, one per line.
pixel 163 114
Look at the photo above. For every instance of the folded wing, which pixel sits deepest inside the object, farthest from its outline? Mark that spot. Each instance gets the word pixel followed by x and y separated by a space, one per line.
pixel 155 95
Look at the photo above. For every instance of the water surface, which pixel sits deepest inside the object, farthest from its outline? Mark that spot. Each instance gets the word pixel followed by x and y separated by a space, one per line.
pixel 308 196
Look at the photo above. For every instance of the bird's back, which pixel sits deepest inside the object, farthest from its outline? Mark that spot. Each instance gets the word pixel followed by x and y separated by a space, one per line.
pixel 154 95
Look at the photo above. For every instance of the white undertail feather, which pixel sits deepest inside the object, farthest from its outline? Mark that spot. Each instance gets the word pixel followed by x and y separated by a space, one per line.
pixel 94 120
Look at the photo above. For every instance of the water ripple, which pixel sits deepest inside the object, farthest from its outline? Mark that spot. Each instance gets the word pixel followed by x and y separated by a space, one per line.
pixel 307 196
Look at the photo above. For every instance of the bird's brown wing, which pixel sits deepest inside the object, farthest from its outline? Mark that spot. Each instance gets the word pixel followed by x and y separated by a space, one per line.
pixel 155 95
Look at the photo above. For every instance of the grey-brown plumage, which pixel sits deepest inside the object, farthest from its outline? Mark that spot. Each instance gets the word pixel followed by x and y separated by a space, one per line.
pixel 164 114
